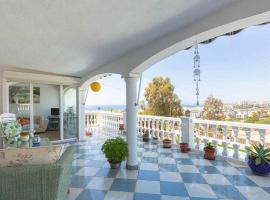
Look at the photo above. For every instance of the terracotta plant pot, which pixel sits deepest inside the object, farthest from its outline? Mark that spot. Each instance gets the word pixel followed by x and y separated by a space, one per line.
pixel 184 147
pixel 25 136
pixel 167 143
pixel 209 154
pixel 115 164
pixel 146 138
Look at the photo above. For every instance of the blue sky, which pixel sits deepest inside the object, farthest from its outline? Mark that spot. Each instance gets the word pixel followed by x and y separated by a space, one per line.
pixel 233 68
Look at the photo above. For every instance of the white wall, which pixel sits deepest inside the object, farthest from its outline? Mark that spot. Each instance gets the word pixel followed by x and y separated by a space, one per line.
pixel 49 98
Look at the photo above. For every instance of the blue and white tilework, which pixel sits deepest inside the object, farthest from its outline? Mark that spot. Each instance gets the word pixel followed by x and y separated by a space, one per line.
pixel 164 174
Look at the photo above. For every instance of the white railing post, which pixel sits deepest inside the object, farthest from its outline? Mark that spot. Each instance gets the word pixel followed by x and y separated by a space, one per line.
pixel 224 142
pixel 262 133
pixel 187 131
pixel 247 145
pixel 236 145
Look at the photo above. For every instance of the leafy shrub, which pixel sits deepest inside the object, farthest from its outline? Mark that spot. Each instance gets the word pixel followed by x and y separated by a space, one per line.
pixel 209 145
pixel 115 150
pixel 259 154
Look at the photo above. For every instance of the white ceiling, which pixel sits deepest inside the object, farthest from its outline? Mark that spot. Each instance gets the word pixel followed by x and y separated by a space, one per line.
pixel 74 37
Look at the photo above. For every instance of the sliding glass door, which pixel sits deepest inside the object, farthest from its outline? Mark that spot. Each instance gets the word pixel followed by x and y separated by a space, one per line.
pixel 70 113
pixel 20 104
pixel 51 111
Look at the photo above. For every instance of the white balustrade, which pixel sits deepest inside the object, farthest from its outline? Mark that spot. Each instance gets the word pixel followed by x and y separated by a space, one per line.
pixel 231 139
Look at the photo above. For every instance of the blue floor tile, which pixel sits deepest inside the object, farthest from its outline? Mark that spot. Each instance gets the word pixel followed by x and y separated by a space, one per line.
pixel 223 163
pixel 140 196
pixel 148 175
pixel 168 167
pixel 173 189
pixel 208 170
pixel 240 180
pixel 192 178
pixel 245 170
pixel 80 181
pixel 107 172
pixel 75 169
pixel 227 192
pixel 91 195
pixel 267 189
pixel 124 185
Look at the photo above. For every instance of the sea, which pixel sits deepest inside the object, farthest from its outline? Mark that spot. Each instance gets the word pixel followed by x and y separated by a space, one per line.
pixel 122 107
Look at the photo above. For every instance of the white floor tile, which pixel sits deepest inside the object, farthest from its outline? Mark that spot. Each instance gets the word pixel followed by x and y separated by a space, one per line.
pixel 100 183
pixel 200 190
pixel 170 177
pixel 187 168
pixel 162 160
pixel 253 193
pixel 150 154
pixel 216 179
pixel 228 170
pixel 201 162
pixel 149 166
pixel 180 155
pixel 263 181
pixel 87 171
pixel 117 195
pixel 80 162
pixel 152 187
pixel 127 174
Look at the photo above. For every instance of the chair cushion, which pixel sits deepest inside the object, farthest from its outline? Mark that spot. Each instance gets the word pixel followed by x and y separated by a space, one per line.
pixel 30 156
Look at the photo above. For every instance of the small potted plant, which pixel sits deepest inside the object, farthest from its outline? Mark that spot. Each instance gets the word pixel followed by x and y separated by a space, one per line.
pixel 184 147
pixel 209 151
pixel 259 159
pixel 115 150
pixel 146 137
pixel 167 143
pixel 24 136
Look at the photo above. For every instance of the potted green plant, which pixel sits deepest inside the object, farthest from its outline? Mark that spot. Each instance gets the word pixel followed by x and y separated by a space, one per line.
pixel 10 131
pixel 209 151
pixel 259 159
pixel 167 143
pixel 146 137
pixel 115 150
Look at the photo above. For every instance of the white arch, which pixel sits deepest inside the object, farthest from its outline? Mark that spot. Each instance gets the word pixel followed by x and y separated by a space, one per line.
pixel 239 15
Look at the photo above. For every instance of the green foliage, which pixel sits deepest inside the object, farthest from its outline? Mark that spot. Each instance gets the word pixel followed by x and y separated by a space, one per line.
pixel 161 99
pixel 10 130
pixel 115 149
pixel 213 109
pixel 209 145
pixel 259 154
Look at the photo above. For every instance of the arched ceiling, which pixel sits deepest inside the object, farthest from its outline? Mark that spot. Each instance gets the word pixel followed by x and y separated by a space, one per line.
pixel 76 37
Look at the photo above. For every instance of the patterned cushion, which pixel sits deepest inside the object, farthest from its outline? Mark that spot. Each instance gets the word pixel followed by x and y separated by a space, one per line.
pixel 30 156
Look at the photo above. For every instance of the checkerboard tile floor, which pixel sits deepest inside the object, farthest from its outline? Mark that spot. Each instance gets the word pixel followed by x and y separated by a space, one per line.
pixel 164 174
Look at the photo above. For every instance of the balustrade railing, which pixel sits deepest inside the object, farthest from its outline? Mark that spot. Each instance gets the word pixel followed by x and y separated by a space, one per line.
pixel 231 139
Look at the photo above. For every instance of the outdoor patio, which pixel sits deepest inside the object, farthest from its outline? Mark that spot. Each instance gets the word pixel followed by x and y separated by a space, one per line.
pixel 163 174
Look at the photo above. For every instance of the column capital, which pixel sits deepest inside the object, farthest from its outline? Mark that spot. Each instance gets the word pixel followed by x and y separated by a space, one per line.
pixel 131 76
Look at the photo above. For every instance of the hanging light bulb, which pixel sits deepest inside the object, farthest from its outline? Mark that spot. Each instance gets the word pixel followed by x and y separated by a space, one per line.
pixel 95 86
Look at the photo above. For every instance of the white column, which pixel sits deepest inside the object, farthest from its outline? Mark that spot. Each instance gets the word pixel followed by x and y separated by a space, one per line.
pixel 5 96
pixel 81 114
pixel 61 91
pixel 131 95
